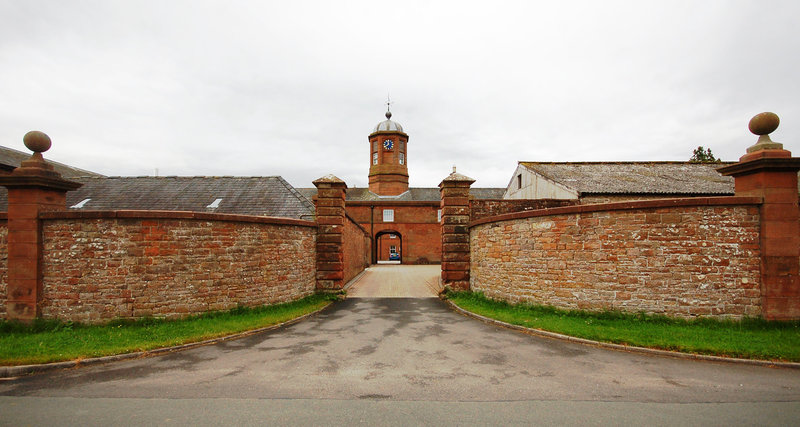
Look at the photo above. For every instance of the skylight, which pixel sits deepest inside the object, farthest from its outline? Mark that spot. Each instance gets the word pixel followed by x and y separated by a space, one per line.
pixel 80 204
pixel 214 204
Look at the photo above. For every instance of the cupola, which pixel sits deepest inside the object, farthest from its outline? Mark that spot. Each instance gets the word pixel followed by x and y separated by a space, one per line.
pixel 388 125
pixel 388 170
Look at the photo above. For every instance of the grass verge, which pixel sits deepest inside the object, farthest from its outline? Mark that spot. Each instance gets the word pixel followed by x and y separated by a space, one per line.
pixel 51 341
pixel 748 338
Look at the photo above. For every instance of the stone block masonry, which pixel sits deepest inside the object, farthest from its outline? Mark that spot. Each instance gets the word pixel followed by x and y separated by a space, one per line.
pixel 678 257
pixel 104 265
pixel 3 264
pixel 485 208
pixel 331 217
pixel 454 192
pixel 355 248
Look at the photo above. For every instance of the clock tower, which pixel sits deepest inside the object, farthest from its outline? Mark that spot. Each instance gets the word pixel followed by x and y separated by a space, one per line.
pixel 388 170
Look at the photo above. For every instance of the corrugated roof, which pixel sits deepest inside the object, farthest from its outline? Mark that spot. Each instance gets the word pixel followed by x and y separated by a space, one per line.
pixel 637 177
pixel 262 196
pixel 487 193
pixel 412 195
pixel 11 159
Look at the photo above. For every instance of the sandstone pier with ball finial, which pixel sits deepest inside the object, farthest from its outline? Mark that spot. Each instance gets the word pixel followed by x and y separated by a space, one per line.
pixel 769 171
pixel 33 187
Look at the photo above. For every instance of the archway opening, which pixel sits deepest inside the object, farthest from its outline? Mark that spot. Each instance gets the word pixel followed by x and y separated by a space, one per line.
pixel 388 247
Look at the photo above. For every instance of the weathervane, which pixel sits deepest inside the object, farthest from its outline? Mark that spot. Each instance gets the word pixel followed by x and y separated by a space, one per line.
pixel 388 106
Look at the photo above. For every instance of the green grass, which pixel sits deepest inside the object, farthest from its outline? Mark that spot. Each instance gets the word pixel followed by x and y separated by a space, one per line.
pixel 51 341
pixel 749 338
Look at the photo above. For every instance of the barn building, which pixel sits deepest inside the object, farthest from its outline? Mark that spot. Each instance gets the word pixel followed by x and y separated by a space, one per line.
pixel 603 182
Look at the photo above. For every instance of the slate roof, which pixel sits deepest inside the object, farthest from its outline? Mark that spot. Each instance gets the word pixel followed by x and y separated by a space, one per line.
pixel 637 177
pixel 11 159
pixel 262 196
pixel 412 195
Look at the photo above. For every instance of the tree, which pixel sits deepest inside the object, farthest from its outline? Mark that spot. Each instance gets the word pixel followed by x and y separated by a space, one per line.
pixel 703 155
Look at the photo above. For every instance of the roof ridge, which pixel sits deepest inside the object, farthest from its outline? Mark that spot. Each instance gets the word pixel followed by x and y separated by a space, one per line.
pixel 55 163
pixel 299 196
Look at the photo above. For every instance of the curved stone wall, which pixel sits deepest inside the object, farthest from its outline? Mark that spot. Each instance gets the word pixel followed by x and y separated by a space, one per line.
pixel 680 257
pixel 127 264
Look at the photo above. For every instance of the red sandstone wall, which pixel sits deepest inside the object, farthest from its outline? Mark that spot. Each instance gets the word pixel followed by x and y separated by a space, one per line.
pixel 422 242
pixel 356 247
pixel 170 265
pixel 3 266
pixel 699 259
pixel 480 209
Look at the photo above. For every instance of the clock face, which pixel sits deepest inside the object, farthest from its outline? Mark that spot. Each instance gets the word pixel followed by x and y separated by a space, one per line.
pixel 388 144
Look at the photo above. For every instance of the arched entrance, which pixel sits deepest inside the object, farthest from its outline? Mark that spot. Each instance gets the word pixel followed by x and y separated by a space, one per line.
pixel 388 247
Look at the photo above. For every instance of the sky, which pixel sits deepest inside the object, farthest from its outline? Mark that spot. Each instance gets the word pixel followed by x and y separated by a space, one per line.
pixel 294 88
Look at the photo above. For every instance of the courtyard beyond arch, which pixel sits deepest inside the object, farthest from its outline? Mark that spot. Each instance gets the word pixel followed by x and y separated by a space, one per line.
pixel 396 281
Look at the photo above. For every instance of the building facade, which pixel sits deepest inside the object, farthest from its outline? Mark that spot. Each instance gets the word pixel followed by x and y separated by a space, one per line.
pixel 403 222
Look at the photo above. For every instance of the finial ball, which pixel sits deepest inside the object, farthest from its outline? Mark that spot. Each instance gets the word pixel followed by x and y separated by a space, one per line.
pixel 764 123
pixel 388 115
pixel 36 141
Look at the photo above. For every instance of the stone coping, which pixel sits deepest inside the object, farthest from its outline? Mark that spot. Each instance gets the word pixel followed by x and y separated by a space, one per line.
pixel 623 206
pixel 19 370
pixel 201 216
pixel 772 160
pixel 363 230
pixel 620 347
pixel 392 202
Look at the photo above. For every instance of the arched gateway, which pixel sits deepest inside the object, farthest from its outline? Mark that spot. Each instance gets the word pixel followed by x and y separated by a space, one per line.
pixel 388 246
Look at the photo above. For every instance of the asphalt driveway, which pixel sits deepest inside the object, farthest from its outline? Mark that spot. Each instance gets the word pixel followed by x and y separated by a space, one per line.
pixel 399 361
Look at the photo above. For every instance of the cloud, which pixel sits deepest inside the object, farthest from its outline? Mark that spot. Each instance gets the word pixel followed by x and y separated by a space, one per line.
pixel 294 88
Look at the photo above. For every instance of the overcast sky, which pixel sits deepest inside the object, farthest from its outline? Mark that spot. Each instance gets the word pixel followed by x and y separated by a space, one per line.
pixel 293 88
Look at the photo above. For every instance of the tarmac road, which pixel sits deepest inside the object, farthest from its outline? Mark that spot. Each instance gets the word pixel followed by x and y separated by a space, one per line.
pixel 403 361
